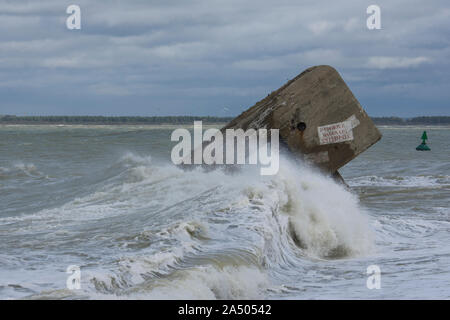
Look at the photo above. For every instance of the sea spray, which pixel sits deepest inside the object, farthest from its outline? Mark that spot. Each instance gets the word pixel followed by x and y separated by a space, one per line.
pixel 325 219
pixel 247 228
pixel 166 232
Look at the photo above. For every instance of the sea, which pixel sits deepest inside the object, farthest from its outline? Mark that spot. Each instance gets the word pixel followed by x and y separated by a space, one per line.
pixel 101 212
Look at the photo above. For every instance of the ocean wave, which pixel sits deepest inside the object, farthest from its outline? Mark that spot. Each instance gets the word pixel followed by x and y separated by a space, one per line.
pixel 325 218
pixel 20 169
pixel 207 282
pixel 211 235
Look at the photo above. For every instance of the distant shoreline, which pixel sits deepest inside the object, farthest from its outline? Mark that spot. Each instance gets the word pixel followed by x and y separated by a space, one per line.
pixel 186 120
pixel 116 120
pixel 416 121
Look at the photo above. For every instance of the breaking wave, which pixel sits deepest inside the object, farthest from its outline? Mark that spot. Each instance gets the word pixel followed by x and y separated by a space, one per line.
pixel 19 169
pixel 169 233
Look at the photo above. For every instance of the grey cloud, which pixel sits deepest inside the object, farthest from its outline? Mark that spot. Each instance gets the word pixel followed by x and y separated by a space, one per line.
pixel 198 56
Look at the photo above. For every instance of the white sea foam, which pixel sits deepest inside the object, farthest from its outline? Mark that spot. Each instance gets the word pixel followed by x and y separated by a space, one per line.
pixel 20 168
pixel 325 218
pixel 297 212
pixel 208 282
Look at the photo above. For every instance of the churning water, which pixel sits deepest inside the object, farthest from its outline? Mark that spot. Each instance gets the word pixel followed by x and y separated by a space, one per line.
pixel 109 200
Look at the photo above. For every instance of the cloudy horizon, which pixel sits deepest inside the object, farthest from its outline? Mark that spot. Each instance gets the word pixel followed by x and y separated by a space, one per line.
pixel 217 58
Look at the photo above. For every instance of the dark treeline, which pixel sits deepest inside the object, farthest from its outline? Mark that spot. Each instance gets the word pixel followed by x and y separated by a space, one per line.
pixel 11 119
pixel 437 120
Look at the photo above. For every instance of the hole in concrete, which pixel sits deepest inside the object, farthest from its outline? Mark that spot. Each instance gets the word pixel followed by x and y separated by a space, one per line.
pixel 301 126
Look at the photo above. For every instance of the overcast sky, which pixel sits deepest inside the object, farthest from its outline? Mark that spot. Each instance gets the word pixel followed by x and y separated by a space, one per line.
pixel 211 57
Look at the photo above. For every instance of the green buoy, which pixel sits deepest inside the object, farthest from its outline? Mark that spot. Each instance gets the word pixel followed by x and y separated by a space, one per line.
pixel 423 146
